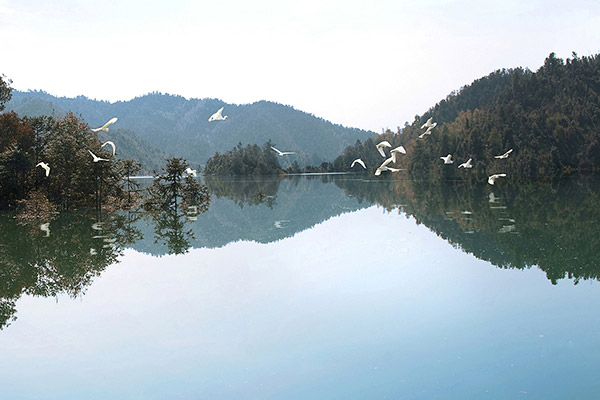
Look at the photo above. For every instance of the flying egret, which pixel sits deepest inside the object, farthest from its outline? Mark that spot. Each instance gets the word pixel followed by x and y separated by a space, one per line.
pixel 45 228
pixel 111 144
pixel 505 155
pixel 427 132
pixel 96 158
pixel 380 147
pixel 104 128
pixel 493 178
pixel 358 161
pixel 384 166
pixel 282 153
pixel 190 171
pixel 97 226
pixel 466 164
pixel 45 166
pixel 218 116
pixel 399 149
pixel 448 159
pixel 429 123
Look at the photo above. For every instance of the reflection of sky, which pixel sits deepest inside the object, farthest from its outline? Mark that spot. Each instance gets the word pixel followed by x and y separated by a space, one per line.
pixel 365 305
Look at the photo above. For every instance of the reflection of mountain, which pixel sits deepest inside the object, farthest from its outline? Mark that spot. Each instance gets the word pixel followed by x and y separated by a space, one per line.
pixel 553 225
pixel 62 257
pixel 260 209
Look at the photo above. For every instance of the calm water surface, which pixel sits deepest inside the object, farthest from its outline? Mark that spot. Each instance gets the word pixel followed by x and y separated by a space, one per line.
pixel 312 288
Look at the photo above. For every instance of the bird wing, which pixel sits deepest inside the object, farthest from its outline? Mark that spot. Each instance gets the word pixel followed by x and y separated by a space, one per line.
pixel 112 121
pixel 93 155
pixel 386 162
pixel 399 149
pixel 111 144
pixel 278 152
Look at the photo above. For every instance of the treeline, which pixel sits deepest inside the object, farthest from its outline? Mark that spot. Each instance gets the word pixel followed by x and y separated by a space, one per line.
pixel 550 118
pixel 249 160
pixel 63 144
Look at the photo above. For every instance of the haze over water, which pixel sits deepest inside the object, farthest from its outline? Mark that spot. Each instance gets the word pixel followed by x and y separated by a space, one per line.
pixel 312 287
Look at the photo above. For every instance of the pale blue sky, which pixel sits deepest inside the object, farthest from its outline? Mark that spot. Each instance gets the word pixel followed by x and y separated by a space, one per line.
pixel 369 64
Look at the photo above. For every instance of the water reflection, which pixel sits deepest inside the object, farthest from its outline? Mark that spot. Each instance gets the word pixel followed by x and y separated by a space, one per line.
pixel 551 225
pixel 554 225
pixel 58 257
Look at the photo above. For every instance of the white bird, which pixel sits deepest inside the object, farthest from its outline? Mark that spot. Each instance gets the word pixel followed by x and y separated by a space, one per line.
pixel 505 155
pixel 358 161
pixel 493 178
pixel 104 128
pixel 466 164
pixel 218 116
pixel 399 149
pixel 429 123
pixel 492 197
pixel 96 158
pixel 282 153
pixel 384 167
pixel 111 144
pixel 448 159
pixel 93 251
pixel 45 228
pixel 97 226
pixel 380 147
pixel 45 166
pixel 190 171
pixel 427 132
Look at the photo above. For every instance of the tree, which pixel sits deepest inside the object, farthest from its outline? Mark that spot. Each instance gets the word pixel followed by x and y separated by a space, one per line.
pixel 5 91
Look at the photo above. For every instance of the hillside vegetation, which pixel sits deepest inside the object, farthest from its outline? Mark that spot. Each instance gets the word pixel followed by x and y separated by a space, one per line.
pixel 179 127
pixel 550 118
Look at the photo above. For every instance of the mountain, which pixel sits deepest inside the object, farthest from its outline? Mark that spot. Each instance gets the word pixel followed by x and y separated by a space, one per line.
pixel 550 118
pixel 180 127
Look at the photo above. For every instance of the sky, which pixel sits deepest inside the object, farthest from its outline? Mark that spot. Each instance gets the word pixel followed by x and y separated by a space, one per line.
pixel 371 64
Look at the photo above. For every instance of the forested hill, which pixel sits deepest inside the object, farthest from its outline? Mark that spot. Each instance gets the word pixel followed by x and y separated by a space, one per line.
pixel 550 118
pixel 180 127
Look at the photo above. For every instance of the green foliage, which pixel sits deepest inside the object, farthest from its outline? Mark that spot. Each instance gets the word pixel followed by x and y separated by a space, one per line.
pixel 249 160
pixel 64 144
pixel 173 190
pixel 550 118
pixel 5 91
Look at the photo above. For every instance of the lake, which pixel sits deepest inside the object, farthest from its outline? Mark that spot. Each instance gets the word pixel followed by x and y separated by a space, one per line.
pixel 319 287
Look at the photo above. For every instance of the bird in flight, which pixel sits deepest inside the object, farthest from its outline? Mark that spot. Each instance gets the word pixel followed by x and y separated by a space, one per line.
pixel 358 161
pixel 218 116
pixel 448 159
pixel 427 132
pixel 45 166
pixel 505 155
pixel 466 164
pixel 282 153
pixel 381 145
pixel 493 178
pixel 393 152
pixel 429 123
pixel 190 171
pixel 96 158
pixel 111 144
pixel 104 128
pixel 384 167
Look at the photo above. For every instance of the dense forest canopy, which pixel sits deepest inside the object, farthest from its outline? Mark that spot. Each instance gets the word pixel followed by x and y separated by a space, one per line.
pixel 550 118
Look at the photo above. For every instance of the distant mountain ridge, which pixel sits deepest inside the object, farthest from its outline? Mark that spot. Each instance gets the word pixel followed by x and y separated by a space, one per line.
pixel 179 127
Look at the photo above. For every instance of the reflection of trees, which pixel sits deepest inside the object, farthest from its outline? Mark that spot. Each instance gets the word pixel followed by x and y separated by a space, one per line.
pixel 169 227
pixel 554 225
pixel 65 260
pixel 252 190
